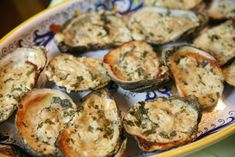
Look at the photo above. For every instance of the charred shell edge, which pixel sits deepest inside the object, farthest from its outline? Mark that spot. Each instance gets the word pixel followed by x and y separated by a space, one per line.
pixel 65 48
pixel 167 52
pixel 138 86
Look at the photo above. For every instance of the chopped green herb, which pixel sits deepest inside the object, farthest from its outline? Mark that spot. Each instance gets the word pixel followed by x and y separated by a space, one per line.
pixel 48 121
pixel 214 37
pixel 93 76
pixel 40 125
pixel 65 77
pixel 78 81
pixel 145 54
pixel 90 128
pixel 140 71
pixel 16 89
pixel 130 123
pixel 24 125
pixel 30 72
pixel 10 79
pixel 173 133
pixel 63 102
pixel 202 63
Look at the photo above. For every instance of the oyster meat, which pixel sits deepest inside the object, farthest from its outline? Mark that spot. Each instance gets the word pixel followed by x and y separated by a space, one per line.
pixel 136 67
pixel 18 74
pixel 95 130
pixel 158 25
pixel 196 73
pixel 42 114
pixel 77 73
pixel 218 41
pixel 163 123
pixel 92 31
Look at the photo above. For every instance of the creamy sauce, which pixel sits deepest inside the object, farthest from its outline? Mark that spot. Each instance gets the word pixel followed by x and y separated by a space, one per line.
pixel 95 29
pixel 156 27
pixel 15 80
pixel 162 120
pixel 77 74
pixel 95 130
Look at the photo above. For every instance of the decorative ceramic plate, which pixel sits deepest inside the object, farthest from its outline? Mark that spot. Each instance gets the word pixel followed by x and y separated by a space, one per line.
pixel 40 30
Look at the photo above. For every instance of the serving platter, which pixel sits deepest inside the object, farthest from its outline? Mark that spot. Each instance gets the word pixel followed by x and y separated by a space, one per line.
pixel 40 30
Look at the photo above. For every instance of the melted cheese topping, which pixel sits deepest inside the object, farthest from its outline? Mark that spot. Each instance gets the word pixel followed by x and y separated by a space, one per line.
pixel 77 74
pixel 173 4
pixel 51 112
pixel 15 80
pixel 221 9
pixel 219 41
pixel 162 120
pixel 134 61
pixel 95 130
pixel 95 29
pixel 229 74
pixel 198 76
pixel 160 27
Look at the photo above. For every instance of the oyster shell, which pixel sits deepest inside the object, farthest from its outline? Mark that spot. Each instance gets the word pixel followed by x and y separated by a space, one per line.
pixel 92 31
pixel 158 25
pixel 229 74
pixel 95 130
pixel 42 114
pixel 163 123
pixel 174 4
pixel 7 151
pixel 222 9
pixel 218 41
pixel 77 73
pixel 136 67
pixel 196 73
pixel 18 74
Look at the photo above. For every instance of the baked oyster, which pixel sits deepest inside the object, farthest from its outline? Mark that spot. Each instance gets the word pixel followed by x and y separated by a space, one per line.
pixel 42 114
pixel 174 4
pixel 218 41
pixel 222 9
pixel 92 31
pixel 77 73
pixel 229 74
pixel 163 123
pixel 158 25
pixel 136 67
pixel 18 74
pixel 95 131
pixel 196 73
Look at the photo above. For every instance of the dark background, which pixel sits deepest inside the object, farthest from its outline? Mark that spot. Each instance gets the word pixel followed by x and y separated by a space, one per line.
pixel 14 12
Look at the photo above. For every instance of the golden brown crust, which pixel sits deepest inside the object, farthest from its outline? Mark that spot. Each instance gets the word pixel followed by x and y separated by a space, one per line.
pixel 52 111
pixel 63 143
pixel 136 67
